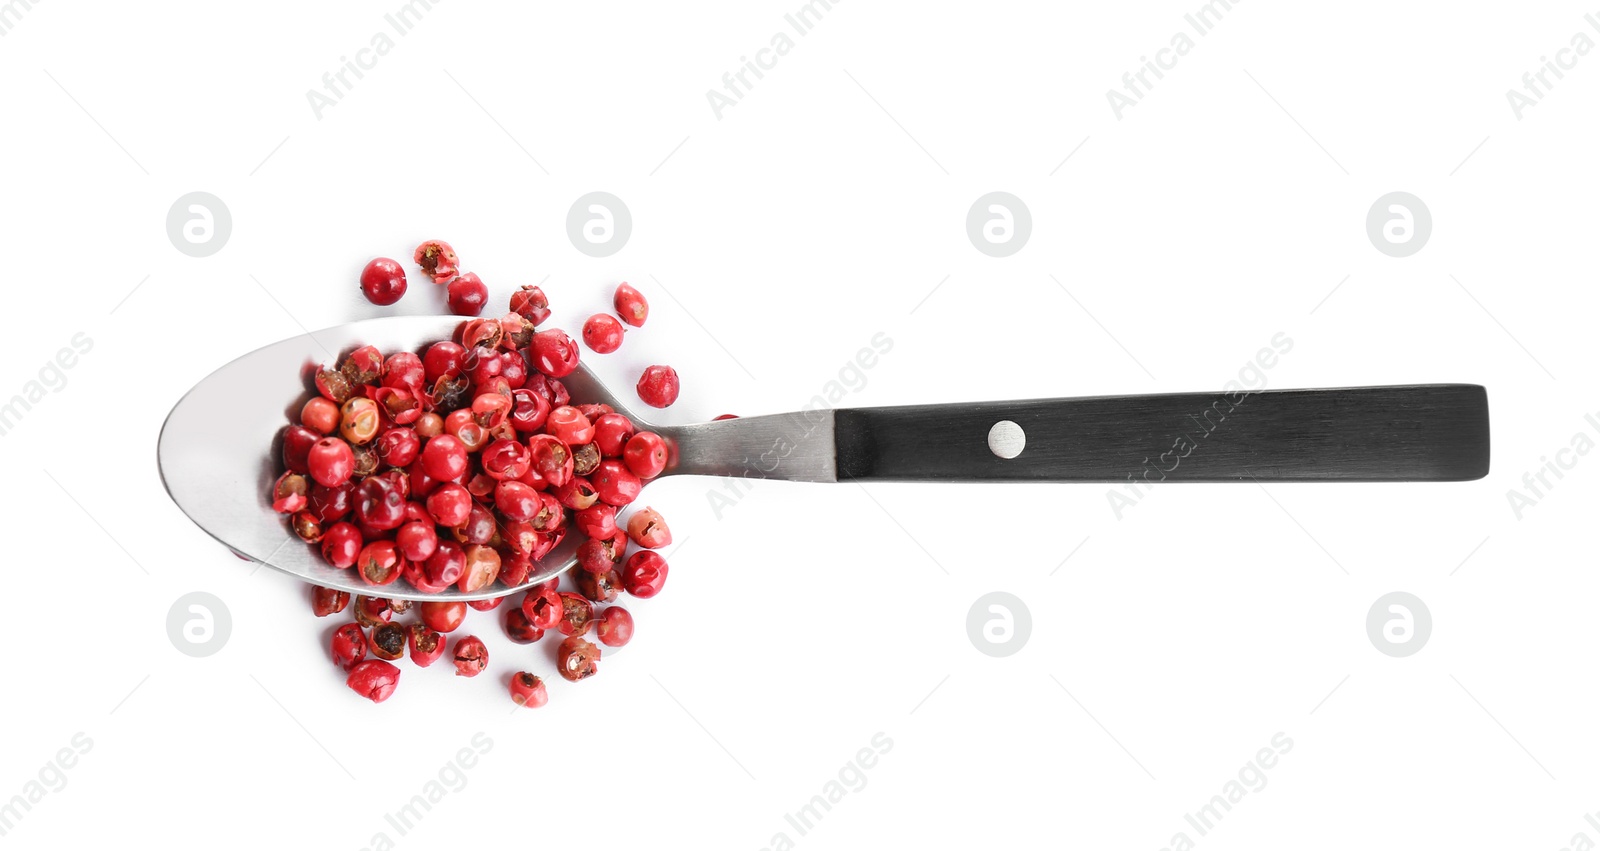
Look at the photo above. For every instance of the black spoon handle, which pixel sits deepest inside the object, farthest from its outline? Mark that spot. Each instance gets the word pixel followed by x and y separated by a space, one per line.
pixel 1420 433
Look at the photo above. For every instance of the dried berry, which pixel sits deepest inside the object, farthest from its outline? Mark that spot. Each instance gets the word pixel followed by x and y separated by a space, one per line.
pixel 577 659
pixel 383 281
pixel 374 679
pixel 349 646
pixel 615 627
pixel 329 601
pixel 630 305
pixel 528 690
pixel 437 259
pixel 470 656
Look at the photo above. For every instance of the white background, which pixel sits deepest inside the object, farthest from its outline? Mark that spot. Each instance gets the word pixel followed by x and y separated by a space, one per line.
pixel 822 209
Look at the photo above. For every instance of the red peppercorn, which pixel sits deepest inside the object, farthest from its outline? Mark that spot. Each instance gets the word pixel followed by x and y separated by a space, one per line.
pixel 467 295
pixel 569 426
pixel 577 614
pixel 597 521
pixel 383 281
pixel 289 493
pixel 429 425
pixel 483 567
pixel 306 526
pixel 612 432
pixel 615 483
pixel 359 420
pixel 553 353
pixel 416 575
pixel 371 611
pixel 543 607
pixel 349 646
pixel 644 574
pixel 396 446
pixel 447 565
pixel 332 384
pixel 374 680
pixel 528 410
pixel 479 528
pixel 602 587
pixel 442 360
pixel 399 405
pixel 577 494
pixel 320 415
pixel 426 644
pixel 658 386
pixel 330 504
pixel 450 392
pixel 598 555
pixel 519 629
pixel 515 566
pixel 516 500
pixel 387 641
pixel 615 627
pixel 551 517
pixel 482 364
pixel 449 505
pixel 649 529
pixel 417 541
pixel 528 691
pixel 544 386
pixel 552 460
pixel 645 455
pixel 297 443
pixel 530 303
pixel 404 370
pixel 401 483
pixel 437 259
pixel 328 601
pixel 481 487
pixel 442 615
pixel 444 458
pixel 363 366
pixel 341 544
pixel 489 410
pixel 459 424
pixel 602 333
pixel 482 332
pixel 330 462
pixel 506 459
pixel 379 563
pixel 544 542
pixel 584 459
pixel 366 461
pixel 470 656
pixel 486 605
pixel 630 305
pixel 577 659
pixel 379 503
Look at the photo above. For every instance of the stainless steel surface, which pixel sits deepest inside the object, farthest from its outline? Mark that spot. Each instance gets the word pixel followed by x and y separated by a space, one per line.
pixel 797 447
pixel 221 476
pixel 794 446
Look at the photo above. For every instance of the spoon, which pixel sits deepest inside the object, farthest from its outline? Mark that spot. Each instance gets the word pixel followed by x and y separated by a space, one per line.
pixel 221 477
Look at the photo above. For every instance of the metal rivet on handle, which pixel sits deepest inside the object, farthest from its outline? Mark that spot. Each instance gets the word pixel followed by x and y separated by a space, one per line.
pixel 1006 439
